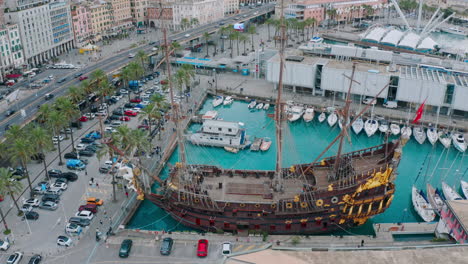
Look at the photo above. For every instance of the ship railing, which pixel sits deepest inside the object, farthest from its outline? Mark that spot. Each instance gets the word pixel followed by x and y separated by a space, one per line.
pixel 197 200
pixel 360 153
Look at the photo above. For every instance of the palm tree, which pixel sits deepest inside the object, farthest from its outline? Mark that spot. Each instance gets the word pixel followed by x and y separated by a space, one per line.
pixel 232 36
pixel 21 149
pixel 106 150
pixel 331 13
pixel 243 38
pixel 126 76
pixel 142 57
pixel 4 222
pixel 194 21
pixel 269 22
pixel 11 187
pixel 86 87
pixel 41 143
pixel 206 37
pixel 56 122
pixel 151 113
pixel 184 22
pixel 44 112
pixel 15 132
pixel 252 30
pixel 223 31
pixel 71 112
pixel 175 46
pixel 76 94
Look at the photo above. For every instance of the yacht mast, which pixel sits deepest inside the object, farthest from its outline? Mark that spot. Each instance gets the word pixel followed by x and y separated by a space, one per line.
pixel 175 106
pixel 278 182
pixel 346 116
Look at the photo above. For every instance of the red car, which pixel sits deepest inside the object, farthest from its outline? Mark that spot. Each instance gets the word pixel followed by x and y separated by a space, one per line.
pixel 125 118
pixel 135 100
pixel 82 78
pixel 202 249
pixel 83 119
pixel 130 113
pixel 143 127
pixel 88 207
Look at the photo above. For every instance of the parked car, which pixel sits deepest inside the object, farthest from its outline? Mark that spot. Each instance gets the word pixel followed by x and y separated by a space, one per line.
pixel 70 176
pixel 88 207
pixel 33 202
pixel 73 228
pixel 166 246
pixel 85 214
pixel 226 249
pixel 71 155
pixel 54 173
pixel 91 148
pixel 80 147
pixel 36 259
pixel 82 78
pixel 202 248
pixel 135 100
pixel 76 164
pixel 93 200
pixel 83 119
pixel 369 101
pixel 48 205
pixel 124 118
pixel 31 215
pixel 79 221
pixel 64 241
pixel 56 139
pixel 62 80
pixel 60 180
pixel 110 129
pixel 390 104
pixel 87 140
pixel 51 197
pixel 4 245
pixel 86 153
pixel 130 113
pixel 59 185
pixel 55 191
pixel 125 248
pixel 26 208
pixel 14 258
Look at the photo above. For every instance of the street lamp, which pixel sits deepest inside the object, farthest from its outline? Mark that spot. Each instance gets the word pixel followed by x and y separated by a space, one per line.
pixel 216 81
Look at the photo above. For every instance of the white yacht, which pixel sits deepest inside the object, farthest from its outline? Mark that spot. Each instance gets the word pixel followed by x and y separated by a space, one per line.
pixel 459 142
pixel 464 187
pixel 266 106
pixel 218 101
pixel 450 193
pixel 432 135
pixel 252 104
pixel 228 100
pixel 383 128
pixel 371 126
pixel 358 125
pixel 295 112
pixel 445 138
pixel 395 129
pixel 406 131
pixel 209 115
pixel 322 117
pixel 422 206
pixel 218 133
pixel 419 135
pixel 259 106
pixel 308 114
pixel 332 119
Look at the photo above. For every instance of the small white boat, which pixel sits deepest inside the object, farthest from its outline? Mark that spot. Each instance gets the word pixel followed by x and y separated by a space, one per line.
pixel 358 125
pixel 259 106
pixel 395 129
pixel 256 144
pixel 445 138
pixel 459 142
pixel 406 131
pixel 419 134
pixel 308 114
pixel 322 117
pixel 210 115
pixel 432 135
pixel 371 126
pixel 265 144
pixel 266 106
pixel 464 187
pixel 383 126
pixel 252 104
pixel 228 100
pixel 422 206
pixel 218 101
pixel 295 112
pixel 332 119
pixel 231 149
pixel 450 193
pixel 434 197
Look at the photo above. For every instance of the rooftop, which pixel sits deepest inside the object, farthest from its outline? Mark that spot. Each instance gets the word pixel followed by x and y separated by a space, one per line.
pixel 460 208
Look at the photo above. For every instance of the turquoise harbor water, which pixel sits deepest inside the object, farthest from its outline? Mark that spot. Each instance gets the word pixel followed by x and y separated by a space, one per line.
pixel 303 142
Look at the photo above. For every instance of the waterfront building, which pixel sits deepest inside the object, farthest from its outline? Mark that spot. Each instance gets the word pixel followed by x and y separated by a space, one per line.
pixel 454 220
pixel 101 20
pixel 121 15
pixel 158 19
pixel 138 12
pixel 81 24
pixel 231 7
pixel 45 28
pixel 199 11
pixel 411 82
pixel 11 50
pixel 2 19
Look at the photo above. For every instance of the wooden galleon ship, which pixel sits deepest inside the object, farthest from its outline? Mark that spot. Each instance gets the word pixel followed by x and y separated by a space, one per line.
pixel 332 193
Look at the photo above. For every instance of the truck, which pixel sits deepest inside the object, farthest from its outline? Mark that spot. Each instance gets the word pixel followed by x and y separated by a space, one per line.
pixel 75 164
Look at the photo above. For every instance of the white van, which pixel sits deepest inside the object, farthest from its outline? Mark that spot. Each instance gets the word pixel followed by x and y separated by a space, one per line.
pixel 390 104
pixel 226 248
pixel 116 124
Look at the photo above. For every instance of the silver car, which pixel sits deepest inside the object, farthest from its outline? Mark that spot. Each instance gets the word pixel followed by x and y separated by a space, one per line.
pixel 48 205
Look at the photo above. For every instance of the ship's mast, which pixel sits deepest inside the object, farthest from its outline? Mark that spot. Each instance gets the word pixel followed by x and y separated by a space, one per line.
pixel 175 106
pixel 278 182
pixel 346 116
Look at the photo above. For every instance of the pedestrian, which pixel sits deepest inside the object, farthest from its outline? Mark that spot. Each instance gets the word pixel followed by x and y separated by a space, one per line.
pixel 86 172
pixel 97 185
pixel 125 187
pixel 100 221
pixel 92 179
pixel 126 194
pixel 362 243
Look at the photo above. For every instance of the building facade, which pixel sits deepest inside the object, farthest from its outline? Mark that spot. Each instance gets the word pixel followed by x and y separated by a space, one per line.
pixel 2 18
pixel 11 50
pixel 121 15
pixel 201 11
pixel 159 19
pixel 101 20
pixel 81 24
pixel 45 28
pixel 231 7
pixel 139 12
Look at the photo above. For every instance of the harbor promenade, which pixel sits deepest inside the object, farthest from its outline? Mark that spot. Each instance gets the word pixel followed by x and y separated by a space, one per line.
pixel 250 87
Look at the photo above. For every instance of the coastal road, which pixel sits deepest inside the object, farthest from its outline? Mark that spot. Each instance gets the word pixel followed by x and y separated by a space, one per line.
pixel 110 64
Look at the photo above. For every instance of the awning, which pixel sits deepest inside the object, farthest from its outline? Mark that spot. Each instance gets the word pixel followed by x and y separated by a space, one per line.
pixel 13 76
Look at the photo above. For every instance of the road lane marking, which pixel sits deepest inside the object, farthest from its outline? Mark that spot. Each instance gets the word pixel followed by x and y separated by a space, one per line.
pixel 237 248
pixel 249 247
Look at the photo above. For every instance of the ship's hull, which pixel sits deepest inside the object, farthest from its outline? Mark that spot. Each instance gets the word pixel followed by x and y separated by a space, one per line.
pixel 344 203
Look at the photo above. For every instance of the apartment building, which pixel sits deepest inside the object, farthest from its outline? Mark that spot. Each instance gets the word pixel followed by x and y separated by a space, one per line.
pixel 121 14
pixel 139 11
pixel 100 20
pixel 203 11
pixel 11 50
pixel 231 7
pixel 82 28
pixel 159 19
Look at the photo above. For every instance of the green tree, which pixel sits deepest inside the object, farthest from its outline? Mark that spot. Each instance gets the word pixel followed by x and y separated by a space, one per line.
pixel 126 76
pixel 41 141
pixel 150 113
pixel 232 36
pixel 86 87
pixel 15 132
pixel 44 112
pixel 142 57
pixel 269 22
pixel 184 23
pixel 243 38
pixel 194 22
pixel 56 122
pixel 223 31
pixel 21 149
pixel 252 31
pixel 71 113
pixel 76 94
pixel 11 187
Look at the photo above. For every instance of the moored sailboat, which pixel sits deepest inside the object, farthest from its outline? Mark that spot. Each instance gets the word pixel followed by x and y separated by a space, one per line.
pixel 450 193
pixel 383 128
pixel 252 104
pixel 332 119
pixel 295 112
pixel 435 198
pixel 445 138
pixel 419 135
pixel 406 131
pixel 322 117
pixel 464 187
pixel 358 125
pixel 228 100
pixel 308 114
pixel 421 205
pixel 395 129
pixel 459 142
pixel 371 126
pixel 432 135
pixel 266 143
pixel 218 100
